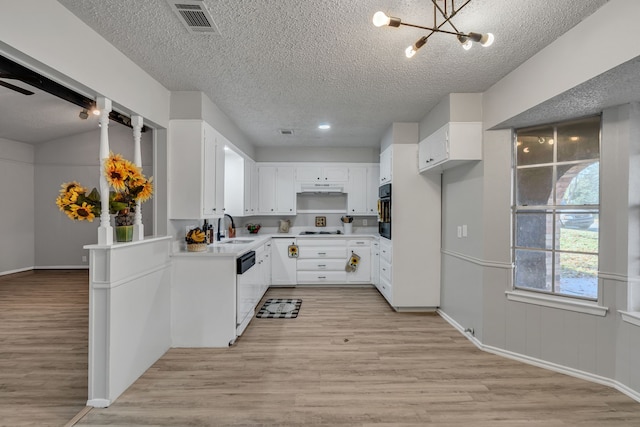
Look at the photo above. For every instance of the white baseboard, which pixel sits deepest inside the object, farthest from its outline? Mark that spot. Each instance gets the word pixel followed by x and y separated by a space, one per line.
pixel 18 270
pixel 634 394
pixel 99 403
pixel 61 267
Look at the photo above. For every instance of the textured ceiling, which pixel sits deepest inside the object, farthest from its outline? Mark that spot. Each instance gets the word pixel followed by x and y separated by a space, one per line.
pixel 291 64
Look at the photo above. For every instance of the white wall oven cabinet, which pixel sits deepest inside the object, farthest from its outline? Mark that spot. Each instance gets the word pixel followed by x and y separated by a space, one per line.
pixel 386 166
pixel 277 194
pixel 283 267
pixel 451 145
pixel 195 170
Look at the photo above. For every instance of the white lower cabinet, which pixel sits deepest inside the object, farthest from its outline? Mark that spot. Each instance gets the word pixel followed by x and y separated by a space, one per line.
pixel 322 261
pixel 283 268
pixel 375 263
pixel 362 248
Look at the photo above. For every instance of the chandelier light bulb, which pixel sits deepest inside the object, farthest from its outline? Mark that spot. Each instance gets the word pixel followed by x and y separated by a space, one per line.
pixel 410 51
pixel 380 19
pixel 487 40
pixel 467 44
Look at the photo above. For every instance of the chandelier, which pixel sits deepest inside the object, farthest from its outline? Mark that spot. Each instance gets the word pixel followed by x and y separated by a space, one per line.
pixel 443 13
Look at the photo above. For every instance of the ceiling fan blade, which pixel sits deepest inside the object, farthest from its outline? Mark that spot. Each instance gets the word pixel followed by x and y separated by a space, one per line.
pixel 16 88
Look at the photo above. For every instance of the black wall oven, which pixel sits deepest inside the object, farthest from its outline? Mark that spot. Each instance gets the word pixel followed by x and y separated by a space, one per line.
pixel 384 211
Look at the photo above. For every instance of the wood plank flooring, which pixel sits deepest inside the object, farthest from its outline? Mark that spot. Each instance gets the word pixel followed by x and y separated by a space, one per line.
pixel 43 347
pixel 348 359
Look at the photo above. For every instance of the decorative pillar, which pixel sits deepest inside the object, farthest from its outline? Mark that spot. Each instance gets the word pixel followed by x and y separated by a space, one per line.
pixel 136 123
pixel 105 231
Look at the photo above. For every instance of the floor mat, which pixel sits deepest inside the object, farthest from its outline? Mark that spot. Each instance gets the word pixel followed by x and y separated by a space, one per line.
pixel 280 308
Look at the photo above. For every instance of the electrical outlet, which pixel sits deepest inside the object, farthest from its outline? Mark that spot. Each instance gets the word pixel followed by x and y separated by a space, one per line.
pixel 459 232
pixel 84 258
pixel 464 230
pixel 364 222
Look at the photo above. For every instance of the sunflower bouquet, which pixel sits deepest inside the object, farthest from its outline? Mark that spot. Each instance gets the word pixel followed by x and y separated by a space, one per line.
pixel 129 187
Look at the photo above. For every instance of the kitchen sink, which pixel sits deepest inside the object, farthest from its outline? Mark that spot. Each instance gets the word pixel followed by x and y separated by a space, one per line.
pixel 237 241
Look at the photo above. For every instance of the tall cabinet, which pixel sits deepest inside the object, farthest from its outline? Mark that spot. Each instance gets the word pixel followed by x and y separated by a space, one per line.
pixel 196 170
pixel 410 261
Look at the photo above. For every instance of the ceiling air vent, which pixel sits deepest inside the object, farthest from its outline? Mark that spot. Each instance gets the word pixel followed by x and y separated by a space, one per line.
pixel 194 16
pixel 286 132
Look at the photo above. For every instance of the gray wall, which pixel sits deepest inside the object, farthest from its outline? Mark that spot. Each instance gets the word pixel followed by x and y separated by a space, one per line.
pixel 477 270
pixel 59 241
pixel 17 213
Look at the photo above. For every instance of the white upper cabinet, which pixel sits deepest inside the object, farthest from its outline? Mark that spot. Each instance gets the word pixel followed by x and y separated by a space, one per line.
pixel 195 170
pixel 451 145
pixel 277 194
pixel 322 173
pixel 362 191
pixel 386 161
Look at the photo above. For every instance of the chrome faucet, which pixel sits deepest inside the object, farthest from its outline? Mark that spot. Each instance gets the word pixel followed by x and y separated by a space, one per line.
pixel 233 225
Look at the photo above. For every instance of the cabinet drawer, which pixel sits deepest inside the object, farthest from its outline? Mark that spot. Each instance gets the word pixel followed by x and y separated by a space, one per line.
pixel 320 264
pixel 359 243
pixel 322 252
pixel 386 290
pixel 322 276
pixel 385 271
pixel 321 242
pixel 385 253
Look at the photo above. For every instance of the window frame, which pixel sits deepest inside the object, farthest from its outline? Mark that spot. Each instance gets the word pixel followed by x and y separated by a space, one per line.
pixel 554 209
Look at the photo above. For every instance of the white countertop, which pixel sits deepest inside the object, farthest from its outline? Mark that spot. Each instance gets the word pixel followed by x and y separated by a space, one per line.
pixel 233 250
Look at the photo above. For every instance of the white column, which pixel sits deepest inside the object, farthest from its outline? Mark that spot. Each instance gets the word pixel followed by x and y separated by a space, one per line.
pixel 136 123
pixel 105 231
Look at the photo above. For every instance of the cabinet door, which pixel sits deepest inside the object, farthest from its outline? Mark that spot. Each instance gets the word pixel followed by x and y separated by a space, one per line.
pixel 357 192
pixel 209 187
pixel 336 174
pixel 308 173
pixel 386 166
pixel 424 155
pixel 255 189
pixel 373 184
pixel 375 263
pixel 285 190
pixel 219 191
pixel 267 185
pixel 247 187
pixel 283 268
pixel 363 272
pixel 439 145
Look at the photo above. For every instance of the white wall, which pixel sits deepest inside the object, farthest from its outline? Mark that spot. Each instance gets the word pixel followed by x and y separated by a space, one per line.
pixel 17 213
pixel 45 36
pixel 313 154
pixel 477 270
pixel 59 240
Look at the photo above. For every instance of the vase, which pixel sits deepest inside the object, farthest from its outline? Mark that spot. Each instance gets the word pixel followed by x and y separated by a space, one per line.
pixel 124 233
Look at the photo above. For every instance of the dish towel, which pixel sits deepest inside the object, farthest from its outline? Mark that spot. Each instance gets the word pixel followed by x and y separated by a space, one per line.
pixel 293 251
pixel 352 263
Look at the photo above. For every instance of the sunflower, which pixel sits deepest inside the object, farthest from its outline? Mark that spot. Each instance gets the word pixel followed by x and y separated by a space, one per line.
pixel 72 186
pixel 116 172
pixel 82 212
pixel 146 192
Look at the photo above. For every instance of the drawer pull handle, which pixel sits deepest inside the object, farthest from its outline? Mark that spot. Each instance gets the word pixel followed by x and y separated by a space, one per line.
pixel 322 265
pixel 322 277
pixel 322 253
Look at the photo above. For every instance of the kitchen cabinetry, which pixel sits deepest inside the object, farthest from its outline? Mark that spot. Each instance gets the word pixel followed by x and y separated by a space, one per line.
pixel 250 190
pixel 375 263
pixel 195 170
pixel 386 169
pixel 283 268
pixel 362 248
pixel 276 190
pixel 322 173
pixel 362 191
pixel 451 145
pixel 263 258
pixel 321 261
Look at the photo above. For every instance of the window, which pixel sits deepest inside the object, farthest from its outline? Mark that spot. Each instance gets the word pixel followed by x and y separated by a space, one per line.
pixel 556 208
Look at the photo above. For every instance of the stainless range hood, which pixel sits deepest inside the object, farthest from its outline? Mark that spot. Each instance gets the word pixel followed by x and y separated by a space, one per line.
pixel 320 188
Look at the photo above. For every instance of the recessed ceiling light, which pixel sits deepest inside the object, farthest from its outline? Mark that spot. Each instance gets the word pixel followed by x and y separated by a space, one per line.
pixel 324 126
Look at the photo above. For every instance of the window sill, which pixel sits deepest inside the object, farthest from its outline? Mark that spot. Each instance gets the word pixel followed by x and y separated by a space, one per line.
pixel 632 317
pixel 557 302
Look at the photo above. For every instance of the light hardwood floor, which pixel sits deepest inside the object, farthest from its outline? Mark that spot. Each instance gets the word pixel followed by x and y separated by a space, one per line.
pixel 348 359
pixel 43 347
